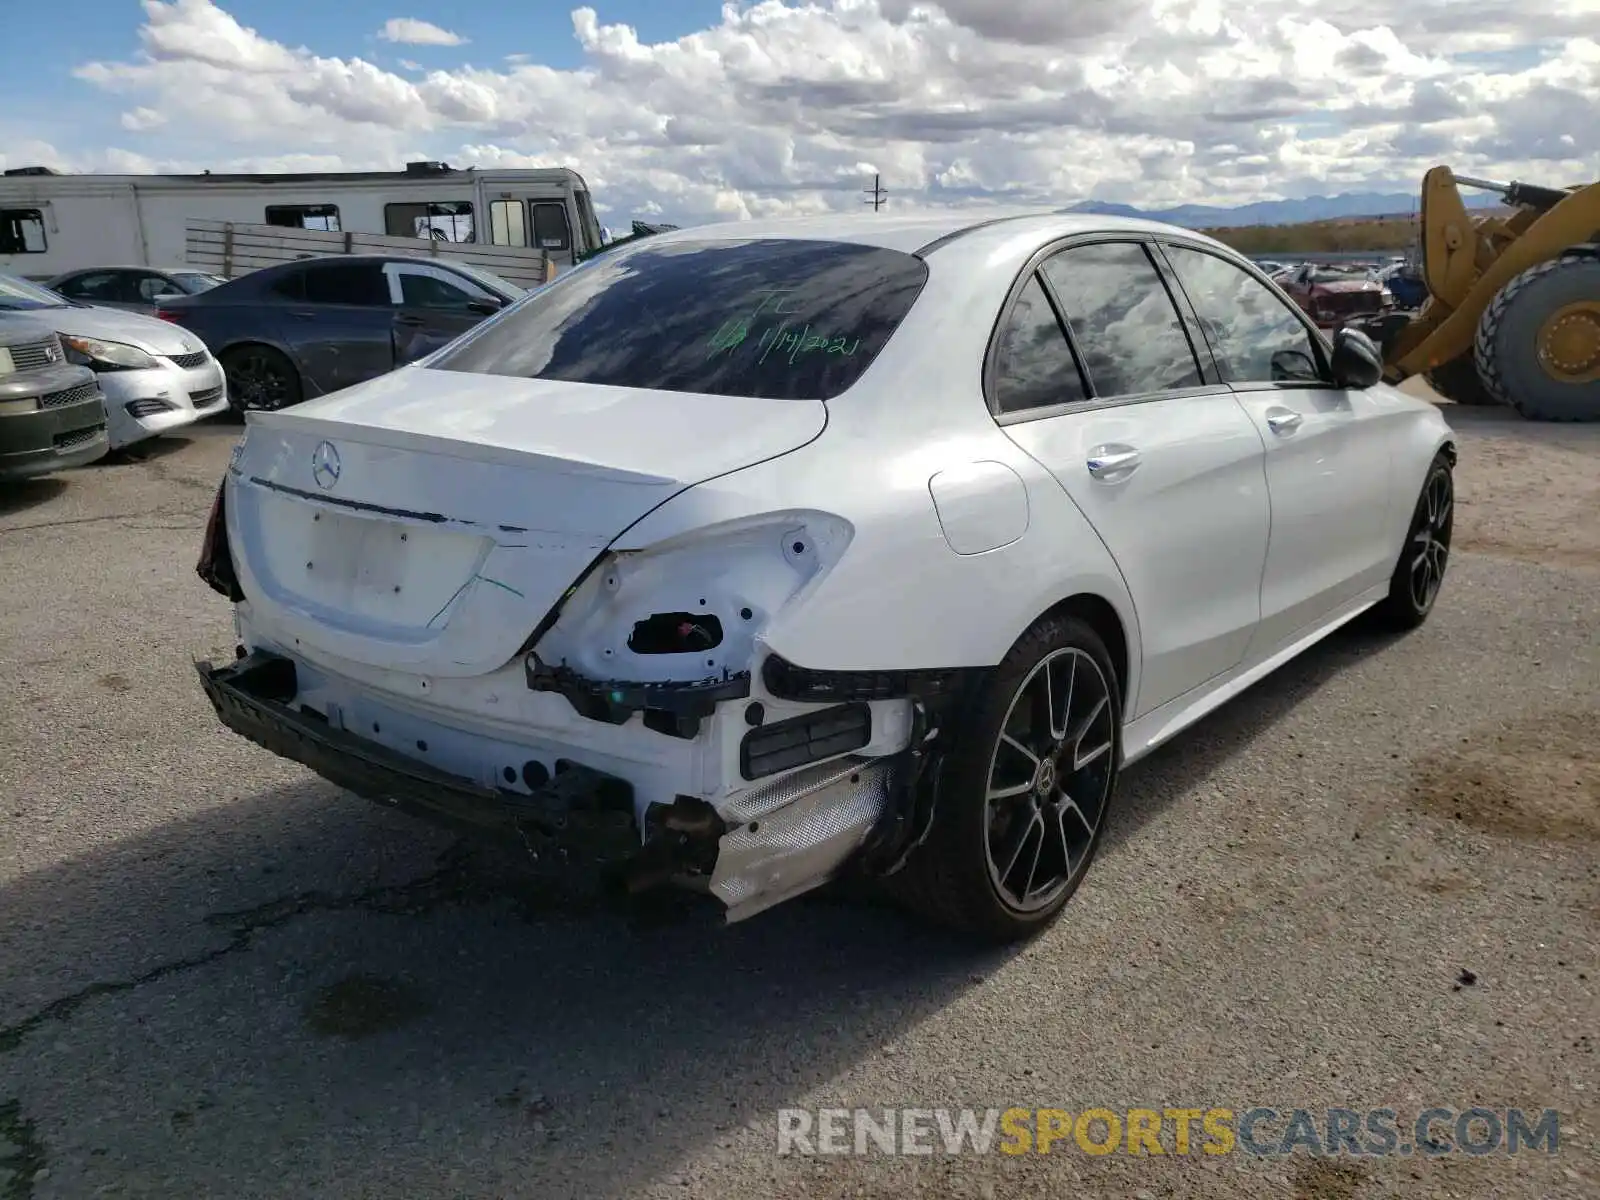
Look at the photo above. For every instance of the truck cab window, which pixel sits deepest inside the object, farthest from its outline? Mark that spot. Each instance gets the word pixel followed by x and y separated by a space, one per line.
pixel 508 224
pixel 22 231
pixel 550 228
pixel 441 220
pixel 588 224
pixel 304 216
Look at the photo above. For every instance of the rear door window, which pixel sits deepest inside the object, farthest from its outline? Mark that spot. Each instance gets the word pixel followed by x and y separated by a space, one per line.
pixel 775 318
pixel 1033 366
pixel 1123 319
pixel 357 284
pixel 422 287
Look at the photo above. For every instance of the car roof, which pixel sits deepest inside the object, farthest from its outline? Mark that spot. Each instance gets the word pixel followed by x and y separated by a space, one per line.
pixel 357 259
pixel 135 267
pixel 914 232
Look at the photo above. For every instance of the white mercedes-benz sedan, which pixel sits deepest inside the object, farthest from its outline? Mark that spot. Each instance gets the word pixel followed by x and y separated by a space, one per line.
pixel 748 556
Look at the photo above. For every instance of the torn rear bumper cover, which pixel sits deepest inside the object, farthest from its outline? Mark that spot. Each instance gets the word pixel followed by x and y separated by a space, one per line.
pixel 784 836
pixel 253 698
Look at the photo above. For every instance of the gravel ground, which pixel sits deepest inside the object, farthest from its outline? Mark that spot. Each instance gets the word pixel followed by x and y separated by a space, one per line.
pixel 221 977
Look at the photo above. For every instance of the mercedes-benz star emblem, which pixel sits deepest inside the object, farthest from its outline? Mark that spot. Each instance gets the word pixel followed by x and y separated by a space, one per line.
pixel 325 465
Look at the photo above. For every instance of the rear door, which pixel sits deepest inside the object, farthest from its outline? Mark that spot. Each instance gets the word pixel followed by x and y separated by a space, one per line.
pixel 432 307
pixel 1327 451
pixel 339 322
pixel 1096 376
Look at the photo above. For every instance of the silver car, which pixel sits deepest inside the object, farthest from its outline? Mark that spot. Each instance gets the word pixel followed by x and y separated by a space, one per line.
pixel 137 289
pixel 156 376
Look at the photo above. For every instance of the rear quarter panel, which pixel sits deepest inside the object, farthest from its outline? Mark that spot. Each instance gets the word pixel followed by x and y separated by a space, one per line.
pixel 901 596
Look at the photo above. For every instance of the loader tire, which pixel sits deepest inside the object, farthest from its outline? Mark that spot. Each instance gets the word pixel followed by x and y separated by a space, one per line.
pixel 1507 349
pixel 1458 380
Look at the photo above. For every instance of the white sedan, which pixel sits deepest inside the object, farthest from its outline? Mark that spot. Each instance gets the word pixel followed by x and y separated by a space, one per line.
pixel 752 555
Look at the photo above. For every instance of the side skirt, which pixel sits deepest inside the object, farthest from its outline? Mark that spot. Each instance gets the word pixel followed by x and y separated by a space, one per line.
pixel 1172 718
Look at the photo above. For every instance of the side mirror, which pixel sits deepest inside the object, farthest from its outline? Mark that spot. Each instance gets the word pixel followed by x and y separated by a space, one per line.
pixel 1293 366
pixel 1357 361
pixel 166 297
pixel 484 307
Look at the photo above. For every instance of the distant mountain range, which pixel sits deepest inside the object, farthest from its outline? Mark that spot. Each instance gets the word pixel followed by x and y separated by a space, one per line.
pixel 1281 212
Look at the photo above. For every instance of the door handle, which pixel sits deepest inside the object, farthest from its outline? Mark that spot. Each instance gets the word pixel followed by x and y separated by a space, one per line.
pixel 1112 462
pixel 302 316
pixel 1283 420
pixel 409 321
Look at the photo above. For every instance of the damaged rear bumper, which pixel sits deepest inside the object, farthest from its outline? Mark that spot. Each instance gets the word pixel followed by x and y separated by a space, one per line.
pixel 779 839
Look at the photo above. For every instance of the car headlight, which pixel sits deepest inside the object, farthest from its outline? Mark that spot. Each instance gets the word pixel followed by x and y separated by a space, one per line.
pixel 105 356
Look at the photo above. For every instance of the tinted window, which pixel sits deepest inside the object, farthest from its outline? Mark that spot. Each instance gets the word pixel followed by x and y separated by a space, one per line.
pixel 1255 336
pixel 101 286
pixel 550 227
pixel 786 319
pixel 1033 364
pixel 429 291
pixel 347 283
pixel 1127 329
pixel 291 285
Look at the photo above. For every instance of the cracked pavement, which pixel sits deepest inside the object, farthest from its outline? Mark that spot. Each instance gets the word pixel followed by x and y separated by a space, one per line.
pixel 220 976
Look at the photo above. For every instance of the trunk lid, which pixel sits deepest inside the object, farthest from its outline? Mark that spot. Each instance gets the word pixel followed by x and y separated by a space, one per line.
pixel 428 520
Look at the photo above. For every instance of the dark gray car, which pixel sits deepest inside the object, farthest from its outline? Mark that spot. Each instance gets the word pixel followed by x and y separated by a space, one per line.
pixel 138 289
pixel 307 328
pixel 52 415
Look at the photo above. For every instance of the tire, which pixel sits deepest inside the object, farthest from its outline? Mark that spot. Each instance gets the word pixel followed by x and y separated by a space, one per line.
pixel 260 378
pixel 1506 348
pixel 1458 380
pixel 1432 524
pixel 954 877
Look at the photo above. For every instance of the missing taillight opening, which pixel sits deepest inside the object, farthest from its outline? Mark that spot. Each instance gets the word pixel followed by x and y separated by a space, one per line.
pixel 216 557
pixel 675 633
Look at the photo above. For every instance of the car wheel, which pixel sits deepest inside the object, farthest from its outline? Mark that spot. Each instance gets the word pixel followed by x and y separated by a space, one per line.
pixel 260 377
pixel 1414 586
pixel 1022 797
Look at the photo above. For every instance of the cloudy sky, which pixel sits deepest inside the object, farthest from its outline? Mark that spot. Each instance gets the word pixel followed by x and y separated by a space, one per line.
pixel 690 110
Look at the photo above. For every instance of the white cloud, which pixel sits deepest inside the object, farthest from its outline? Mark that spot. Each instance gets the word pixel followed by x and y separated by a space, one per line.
pixel 408 31
pixel 789 107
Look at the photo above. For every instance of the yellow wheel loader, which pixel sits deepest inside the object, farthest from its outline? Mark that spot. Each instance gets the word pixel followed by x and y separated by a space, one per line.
pixel 1513 309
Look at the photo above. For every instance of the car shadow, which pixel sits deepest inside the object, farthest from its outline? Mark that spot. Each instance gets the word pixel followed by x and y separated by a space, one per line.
pixel 533 1018
pixel 22 494
pixel 1197 753
pixel 151 449
pixel 303 960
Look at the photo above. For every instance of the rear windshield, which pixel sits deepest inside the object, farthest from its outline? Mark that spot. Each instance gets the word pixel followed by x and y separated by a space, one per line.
pixel 781 319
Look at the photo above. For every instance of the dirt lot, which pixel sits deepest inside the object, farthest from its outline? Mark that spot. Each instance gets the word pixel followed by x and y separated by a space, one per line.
pixel 1373 881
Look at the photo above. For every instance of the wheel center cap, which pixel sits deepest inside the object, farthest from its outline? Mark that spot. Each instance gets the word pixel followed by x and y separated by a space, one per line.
pixel 1044 779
